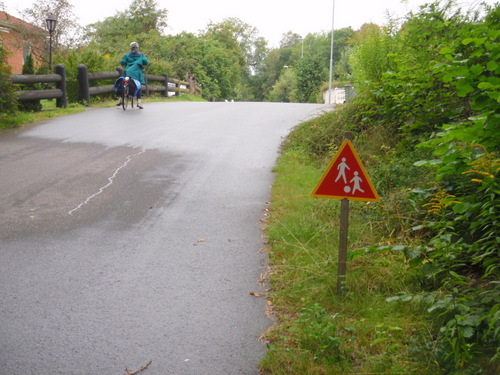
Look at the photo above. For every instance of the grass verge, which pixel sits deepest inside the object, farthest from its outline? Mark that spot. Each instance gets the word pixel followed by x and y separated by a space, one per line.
pixel 316 330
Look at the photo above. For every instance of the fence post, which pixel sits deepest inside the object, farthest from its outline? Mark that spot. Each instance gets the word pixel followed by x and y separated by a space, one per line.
pixel 192 84
pixel 83 83
pixel 178 89
pixel 166 84
pixel 61 102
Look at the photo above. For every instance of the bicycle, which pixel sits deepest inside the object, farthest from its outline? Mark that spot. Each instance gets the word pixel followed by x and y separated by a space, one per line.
pixel 127 95
pixel 127 88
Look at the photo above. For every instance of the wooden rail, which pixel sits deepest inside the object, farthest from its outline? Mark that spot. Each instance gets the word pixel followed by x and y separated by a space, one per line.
pixel 168 85
pixel 59 93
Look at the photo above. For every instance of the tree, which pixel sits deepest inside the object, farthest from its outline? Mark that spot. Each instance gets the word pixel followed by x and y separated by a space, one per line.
pixel 218 69
pixel 285 89
pixel 267 74
pixel 68 31
pixel 252 47
pixel 30 105
pixel 236 40
pixel 310 76
pixel 143 21
pixel 227 33
pixel 290 39
pixel 371 55
pixel 146 16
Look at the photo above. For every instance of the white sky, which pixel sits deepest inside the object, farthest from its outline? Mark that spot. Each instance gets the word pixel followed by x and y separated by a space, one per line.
pixel 271 17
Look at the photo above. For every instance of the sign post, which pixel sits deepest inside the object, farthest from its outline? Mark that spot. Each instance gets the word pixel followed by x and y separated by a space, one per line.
pixel 345 179
pixel 344 225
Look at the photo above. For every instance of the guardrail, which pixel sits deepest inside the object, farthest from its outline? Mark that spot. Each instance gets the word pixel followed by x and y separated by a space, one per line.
pixel 59 93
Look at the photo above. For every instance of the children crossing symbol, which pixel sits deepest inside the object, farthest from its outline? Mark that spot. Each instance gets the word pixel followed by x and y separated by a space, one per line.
pixel 346 178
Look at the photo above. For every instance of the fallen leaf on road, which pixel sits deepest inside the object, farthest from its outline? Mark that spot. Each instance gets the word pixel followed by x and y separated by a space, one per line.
pixel 257 294
pixel 201 240
pixel 128 372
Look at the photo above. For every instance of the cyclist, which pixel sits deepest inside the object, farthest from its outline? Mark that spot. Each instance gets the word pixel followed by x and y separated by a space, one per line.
pixel 134 61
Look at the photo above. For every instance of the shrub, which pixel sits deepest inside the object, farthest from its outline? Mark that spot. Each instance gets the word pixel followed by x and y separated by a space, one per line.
pixel 8 102
pixel 30 105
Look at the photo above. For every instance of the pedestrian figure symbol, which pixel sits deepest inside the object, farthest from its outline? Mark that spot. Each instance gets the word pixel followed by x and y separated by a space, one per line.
pixel 341 168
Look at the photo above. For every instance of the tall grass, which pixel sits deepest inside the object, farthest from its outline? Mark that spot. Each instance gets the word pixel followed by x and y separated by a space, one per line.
pixel 318 331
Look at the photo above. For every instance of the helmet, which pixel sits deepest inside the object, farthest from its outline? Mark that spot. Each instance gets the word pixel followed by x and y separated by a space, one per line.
pixel 134 45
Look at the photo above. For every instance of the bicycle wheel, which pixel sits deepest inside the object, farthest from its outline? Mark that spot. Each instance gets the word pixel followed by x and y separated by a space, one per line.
pixel 125 94
pixel 131 101
pixel 125 102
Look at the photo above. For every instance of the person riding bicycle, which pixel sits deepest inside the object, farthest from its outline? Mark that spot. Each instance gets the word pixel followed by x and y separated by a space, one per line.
pixel 134 61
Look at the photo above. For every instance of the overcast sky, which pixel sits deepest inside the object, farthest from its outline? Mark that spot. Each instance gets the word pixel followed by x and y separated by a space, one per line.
pixel 271 17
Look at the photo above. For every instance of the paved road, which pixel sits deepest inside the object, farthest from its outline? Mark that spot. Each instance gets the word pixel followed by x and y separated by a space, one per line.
pixel 133 236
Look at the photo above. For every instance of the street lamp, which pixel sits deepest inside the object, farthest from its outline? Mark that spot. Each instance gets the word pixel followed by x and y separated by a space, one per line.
pixel 51 26
pixel 331 58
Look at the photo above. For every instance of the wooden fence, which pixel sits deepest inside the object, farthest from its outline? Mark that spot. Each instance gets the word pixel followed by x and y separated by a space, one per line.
pixel 59 93
pixel 166 85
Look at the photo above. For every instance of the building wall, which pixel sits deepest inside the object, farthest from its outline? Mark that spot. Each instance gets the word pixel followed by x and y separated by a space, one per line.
pixel 337 96
pixel 20 38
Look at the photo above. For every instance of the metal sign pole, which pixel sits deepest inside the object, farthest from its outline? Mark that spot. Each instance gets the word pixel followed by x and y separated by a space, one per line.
pixel 345 179
pixel 344 225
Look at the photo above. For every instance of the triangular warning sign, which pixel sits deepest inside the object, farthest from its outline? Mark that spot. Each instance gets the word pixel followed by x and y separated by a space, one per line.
pixel 346 177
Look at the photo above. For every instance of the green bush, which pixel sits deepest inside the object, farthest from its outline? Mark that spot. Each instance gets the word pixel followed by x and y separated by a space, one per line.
pixel 432 92
pixel 90 57
pixel 8 102
pixel 30 105
pixel 455 103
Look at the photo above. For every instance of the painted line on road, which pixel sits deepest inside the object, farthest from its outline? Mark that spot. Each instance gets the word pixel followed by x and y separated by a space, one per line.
pixel 110 182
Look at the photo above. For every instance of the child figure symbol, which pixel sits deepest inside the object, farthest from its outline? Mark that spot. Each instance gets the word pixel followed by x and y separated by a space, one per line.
pixel 357 181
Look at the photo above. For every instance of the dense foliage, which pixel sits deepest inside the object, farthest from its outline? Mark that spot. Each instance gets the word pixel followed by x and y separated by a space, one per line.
pixel 431 90
pixel 7 97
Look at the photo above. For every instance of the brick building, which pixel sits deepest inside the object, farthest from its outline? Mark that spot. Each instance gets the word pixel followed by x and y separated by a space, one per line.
pixel 20 39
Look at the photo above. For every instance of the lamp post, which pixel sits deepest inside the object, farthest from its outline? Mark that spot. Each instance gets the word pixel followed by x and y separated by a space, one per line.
pixel 331 59
pixel 51 26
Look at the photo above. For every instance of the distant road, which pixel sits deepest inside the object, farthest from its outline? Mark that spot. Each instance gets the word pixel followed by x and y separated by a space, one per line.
pixel 134 236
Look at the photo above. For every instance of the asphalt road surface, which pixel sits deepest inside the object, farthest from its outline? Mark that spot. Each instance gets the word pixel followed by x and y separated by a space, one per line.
pixel 130 238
